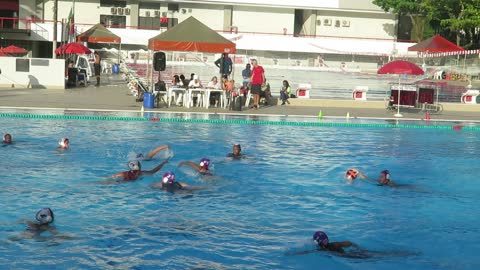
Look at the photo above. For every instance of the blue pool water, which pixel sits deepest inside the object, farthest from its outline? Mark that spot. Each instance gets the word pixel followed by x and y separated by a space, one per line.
pixel 255 212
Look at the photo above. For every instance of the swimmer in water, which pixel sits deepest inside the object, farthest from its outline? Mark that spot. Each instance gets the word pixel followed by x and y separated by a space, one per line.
pixel 152 153
pixel 136 171
pixel 64 144
pixel 7 139
pixel 236 152
pixel 170 185
pixel 202 168
pixel 383 179
pixel 44 220
pixel 343 249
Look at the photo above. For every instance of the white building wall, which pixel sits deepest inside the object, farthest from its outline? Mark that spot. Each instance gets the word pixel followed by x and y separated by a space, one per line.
pixel 357 27
pixel 210 15
pixel 260 19
pixel 36 77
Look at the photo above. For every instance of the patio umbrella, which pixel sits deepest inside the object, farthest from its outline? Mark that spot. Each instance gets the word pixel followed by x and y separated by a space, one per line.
pixel 12 49
pixel 400 67
pixel 72 48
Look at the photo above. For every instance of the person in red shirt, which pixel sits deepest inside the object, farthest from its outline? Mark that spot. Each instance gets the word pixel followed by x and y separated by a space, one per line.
pixel 258 78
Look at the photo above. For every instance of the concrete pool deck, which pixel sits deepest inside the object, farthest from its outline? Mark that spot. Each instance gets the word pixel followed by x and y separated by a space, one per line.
pixel 115 96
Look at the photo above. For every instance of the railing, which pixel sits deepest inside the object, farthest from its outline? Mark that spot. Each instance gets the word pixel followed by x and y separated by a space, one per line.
pixel 15 23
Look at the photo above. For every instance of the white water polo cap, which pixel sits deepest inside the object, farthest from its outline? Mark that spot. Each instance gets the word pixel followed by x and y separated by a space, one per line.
pixel 168 178
pixel 134 165
pixel 44 216
pixel 63 142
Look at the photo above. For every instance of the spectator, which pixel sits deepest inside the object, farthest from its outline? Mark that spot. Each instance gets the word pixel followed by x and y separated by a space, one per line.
pixel 97 67
pixel 224 63
pixel 195 82
pixel 214 84
pixel 246 74
pixel 183 80
pixel 257 79
pixel 285 92
pixel 266 93
pixel 176 81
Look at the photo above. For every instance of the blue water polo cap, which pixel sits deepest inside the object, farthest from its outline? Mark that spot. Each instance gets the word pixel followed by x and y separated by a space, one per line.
pixel 320 238
pixel 204 162
pixel 168 178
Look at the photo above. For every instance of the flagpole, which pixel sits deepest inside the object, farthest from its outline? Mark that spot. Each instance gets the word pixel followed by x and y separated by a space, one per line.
pixel 73 22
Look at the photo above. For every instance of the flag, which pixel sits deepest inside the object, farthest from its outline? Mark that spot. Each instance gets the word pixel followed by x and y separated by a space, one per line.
pixel 71 26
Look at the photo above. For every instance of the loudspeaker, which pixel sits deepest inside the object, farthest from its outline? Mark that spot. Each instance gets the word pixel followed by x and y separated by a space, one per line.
pixel 159 61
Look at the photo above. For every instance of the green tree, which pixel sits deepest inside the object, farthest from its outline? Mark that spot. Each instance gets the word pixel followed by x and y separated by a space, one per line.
pixel 419 12
pixel 460 17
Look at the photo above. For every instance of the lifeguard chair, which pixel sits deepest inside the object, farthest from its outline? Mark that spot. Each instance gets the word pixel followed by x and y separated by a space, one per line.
pixel 303 90
pixel 470 97
pixel 360 93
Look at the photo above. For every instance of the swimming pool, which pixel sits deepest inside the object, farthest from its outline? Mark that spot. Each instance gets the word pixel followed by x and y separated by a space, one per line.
pixel 254 212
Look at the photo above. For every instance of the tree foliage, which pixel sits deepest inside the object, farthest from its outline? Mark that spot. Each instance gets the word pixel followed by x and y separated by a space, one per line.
pixel 458 20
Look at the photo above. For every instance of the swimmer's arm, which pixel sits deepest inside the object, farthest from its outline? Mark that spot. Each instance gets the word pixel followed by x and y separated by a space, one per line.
pixel 366 178
pixel 156 185
pixel 391 183
pixel 119 175
pixel 189 187
pixel 342 244
pixel 156 169
pixel 156 150
pixel 189 163
pixel 301 252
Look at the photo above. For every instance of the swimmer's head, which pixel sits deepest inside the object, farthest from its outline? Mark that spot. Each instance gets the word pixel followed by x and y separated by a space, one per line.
pixel 64 143
pixel 351 174
pixel 134 165
pixel 7 138
pixel 320 238
pixel 237 149
pixel 168 178
pixel 385 174
pixel 204 162
pixel 44 216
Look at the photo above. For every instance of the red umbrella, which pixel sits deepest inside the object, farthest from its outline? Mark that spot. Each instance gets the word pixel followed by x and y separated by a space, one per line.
pixel 14 50
pixel 72 48
pixel 400 67
pixel 2 53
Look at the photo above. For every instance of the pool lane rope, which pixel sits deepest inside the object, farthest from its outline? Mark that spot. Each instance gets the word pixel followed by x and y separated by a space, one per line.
pixel 235 121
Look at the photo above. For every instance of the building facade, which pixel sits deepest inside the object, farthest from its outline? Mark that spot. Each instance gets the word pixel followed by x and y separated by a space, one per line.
pixel 342 19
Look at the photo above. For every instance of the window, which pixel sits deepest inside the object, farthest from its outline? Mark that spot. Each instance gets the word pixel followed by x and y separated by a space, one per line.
pixel 173 6
pixel 113 21
pixel 149 22
pixel 149 5
pixel 113 3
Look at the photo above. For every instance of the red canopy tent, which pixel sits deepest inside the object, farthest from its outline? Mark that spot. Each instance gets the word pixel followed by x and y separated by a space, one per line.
pixel 191 35
pixel 435 44
pixel 98 34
